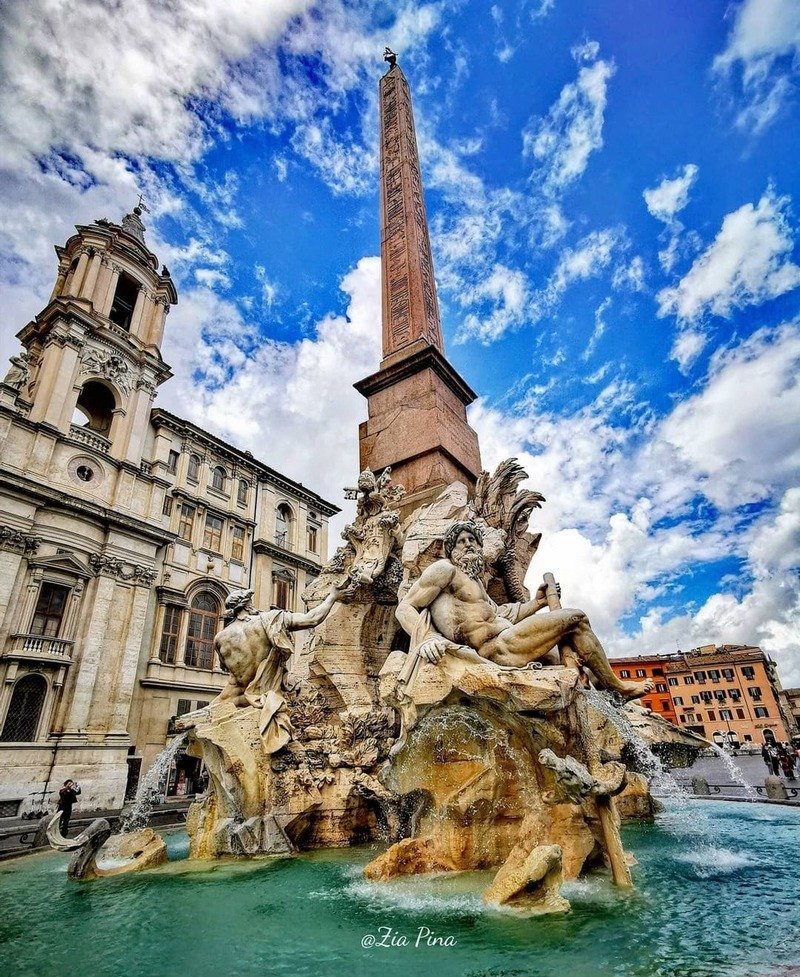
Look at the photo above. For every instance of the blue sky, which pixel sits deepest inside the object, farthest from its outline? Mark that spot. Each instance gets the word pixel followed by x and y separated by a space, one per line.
pixel 612 189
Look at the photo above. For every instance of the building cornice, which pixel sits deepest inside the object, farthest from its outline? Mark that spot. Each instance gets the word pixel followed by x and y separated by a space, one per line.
pixel 407 363
pixel 163 418
pixel 286 556
pixel 88 510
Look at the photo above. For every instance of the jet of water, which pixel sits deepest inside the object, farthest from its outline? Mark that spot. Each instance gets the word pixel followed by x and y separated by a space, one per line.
pixel 151 789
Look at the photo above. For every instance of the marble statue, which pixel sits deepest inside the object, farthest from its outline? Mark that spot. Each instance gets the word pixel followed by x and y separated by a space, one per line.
pixel 19 372
pixel 375 534
pixel 255 647
pixel 449 605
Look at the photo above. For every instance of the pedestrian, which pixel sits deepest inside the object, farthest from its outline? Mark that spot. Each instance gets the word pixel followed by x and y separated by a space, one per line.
pixel 775 761
pixel 765 757
pixel 787 765
pixel 66 798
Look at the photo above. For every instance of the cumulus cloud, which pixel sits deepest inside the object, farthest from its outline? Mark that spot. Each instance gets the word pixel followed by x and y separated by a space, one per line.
pixel 561 143
pixel 671 196
pixel 635 501
pixel 275 398
pixel 747 263
pixel 762 50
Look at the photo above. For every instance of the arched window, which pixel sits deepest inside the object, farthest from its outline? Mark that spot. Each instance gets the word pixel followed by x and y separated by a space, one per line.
pixel 203 625
pixel 125 296
pixel 283 526
pixel 24 710
pixel 193 471
pixel 95 407
pixel 242 493
pixel 218 478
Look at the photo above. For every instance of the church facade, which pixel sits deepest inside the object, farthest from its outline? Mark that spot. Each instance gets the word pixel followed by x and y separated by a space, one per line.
pixel 123 529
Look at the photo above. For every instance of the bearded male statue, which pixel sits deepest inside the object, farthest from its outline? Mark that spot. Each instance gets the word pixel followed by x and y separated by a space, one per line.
pixel 448 605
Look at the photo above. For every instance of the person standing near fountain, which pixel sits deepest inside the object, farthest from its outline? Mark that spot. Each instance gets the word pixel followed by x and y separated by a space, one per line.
pixel 67 796
pixel 449 605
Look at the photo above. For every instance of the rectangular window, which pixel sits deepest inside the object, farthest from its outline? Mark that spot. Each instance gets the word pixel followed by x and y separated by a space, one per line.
pixel 700 676
pixel 672 681
pixel 241 495
pixel 683 719
pixel 184 706
pixel 172 462
pixel 664 705
pixel 624 673
pixel 50 609
pixel 712 715
pixel 728 674
pixel 678 700
pixel 169 634
pixel 725 714
pixel 761 712
pixel 201 704
pixel 695 700
pixel 749 672
pixel 193 471
pixel 186 523
pixel 754 691
pixel 658 671
pixel 237 544
pixel 706 696
pixel 283 593
pixel 313 539
pixel 719 695
pixel 713 674
pixel 640 673
pixel 660 687
pixel 167 507
pixel 212 535
pixel 688 680
pixel 740 713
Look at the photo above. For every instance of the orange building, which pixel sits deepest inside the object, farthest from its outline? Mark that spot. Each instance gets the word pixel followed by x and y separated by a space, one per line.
pixel 729 694
pixel 642 668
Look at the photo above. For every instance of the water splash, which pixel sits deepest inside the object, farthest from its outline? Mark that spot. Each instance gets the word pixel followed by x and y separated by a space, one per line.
pixel 734 772
pixel 660 779
pixel 151 789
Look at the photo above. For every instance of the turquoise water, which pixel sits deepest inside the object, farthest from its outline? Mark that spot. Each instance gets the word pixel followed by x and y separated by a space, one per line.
pixel 718 891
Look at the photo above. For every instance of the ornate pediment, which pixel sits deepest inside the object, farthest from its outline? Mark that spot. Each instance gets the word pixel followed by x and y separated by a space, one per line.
pixel 66 563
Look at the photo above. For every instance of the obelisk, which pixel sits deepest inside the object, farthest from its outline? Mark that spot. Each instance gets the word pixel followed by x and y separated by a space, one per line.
pixel 416 402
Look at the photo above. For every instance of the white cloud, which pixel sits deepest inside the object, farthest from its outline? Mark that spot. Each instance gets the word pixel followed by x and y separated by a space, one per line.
pixel 598 332
pixel 764 45
pixel 671 196
pixel 562 142
pixel 747 263
pixel 686 347
pixel 277 398
pixel 86 77
pixel 634 502
pixel 507 291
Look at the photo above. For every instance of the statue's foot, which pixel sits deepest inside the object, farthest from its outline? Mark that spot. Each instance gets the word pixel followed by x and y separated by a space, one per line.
pixel 634 690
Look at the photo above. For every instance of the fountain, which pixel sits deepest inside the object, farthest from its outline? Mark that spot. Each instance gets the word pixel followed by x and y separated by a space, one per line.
pixel 464 749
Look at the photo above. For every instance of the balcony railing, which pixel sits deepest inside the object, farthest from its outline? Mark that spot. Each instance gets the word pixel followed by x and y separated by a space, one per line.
pixel 282 539
pixel 39 644
pixel 90 438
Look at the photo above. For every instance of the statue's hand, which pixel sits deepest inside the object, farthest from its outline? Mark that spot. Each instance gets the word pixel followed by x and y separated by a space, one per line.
pixel 432 650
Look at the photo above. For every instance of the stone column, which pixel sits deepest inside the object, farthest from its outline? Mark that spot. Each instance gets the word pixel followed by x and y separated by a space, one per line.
pixel 105 308
pixel 129 441
pixel 89 282
pixel 79 274
pixel 92 654
pixel 59 285
pixel 54 399
pixel 126 662
pixel 138 312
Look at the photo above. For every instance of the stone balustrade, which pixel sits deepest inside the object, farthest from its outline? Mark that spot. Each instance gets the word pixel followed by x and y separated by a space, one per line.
pixel 90 438
pixel 40 644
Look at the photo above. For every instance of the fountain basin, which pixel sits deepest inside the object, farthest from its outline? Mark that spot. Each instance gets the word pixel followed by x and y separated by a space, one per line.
pixel 716 892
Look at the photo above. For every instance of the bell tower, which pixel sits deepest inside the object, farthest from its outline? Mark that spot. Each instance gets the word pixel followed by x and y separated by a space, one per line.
pixel 92 354
pixel 416 402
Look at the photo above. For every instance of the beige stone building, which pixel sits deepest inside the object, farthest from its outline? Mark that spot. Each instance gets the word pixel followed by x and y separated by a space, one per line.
pixel 122 530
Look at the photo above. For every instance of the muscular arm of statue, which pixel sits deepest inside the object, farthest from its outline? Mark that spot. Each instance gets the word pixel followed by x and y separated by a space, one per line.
pixel 433 582
pixel 310 619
